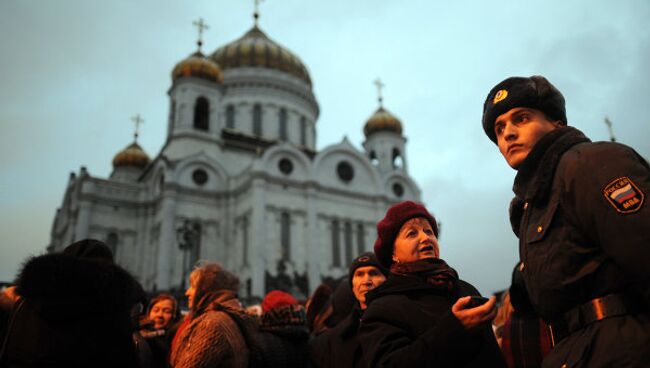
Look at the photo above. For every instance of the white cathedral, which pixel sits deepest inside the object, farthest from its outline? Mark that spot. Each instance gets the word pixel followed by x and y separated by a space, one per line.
pixel 239 180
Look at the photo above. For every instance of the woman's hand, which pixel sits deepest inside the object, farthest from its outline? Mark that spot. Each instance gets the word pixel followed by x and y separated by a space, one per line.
pixel 472 317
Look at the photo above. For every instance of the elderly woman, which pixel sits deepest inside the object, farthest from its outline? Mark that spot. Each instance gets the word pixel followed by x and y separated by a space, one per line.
pixel 422 315
pixel 210 336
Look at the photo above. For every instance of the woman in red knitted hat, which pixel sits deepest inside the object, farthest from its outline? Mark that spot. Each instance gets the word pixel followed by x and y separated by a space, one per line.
pixel 423 315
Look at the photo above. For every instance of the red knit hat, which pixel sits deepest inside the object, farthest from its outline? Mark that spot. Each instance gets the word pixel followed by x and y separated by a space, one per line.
pixel 275 299
pixel 390 225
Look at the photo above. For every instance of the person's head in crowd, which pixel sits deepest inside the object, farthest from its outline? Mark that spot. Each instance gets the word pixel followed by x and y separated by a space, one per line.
pixel 319 309
pixel 365 274
pixel 208 281
pixel 518 112
pixel 90 249
pixel 281 310
pixel 162 311
pixel 275 299
pixel 407 233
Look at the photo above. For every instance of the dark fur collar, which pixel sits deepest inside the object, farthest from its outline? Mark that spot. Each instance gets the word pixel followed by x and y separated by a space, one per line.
pixel 535 175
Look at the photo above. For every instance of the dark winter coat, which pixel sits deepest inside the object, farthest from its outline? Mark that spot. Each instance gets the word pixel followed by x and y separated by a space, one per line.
pixel 409 323
pixel 284 337
pixel 578 241
pixel 339 347
pixel 74 312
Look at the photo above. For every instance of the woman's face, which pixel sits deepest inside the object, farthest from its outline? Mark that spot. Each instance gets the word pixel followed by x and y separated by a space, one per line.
pixel 161 313
pixel 415 241
pixel 190 293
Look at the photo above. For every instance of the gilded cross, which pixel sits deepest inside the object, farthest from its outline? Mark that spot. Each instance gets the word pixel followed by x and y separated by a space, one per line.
pixel 201 26
pixel 137 120
pixel 379 85
pixel 256 13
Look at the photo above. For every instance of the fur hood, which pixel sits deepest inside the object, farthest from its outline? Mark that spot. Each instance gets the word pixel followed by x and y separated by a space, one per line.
pixel 64 286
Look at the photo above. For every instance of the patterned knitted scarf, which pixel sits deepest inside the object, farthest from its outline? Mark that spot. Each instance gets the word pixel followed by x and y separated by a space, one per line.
pixel 434 271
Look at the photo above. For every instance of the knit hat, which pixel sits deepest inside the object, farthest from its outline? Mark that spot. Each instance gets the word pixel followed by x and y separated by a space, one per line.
pixel 276 299
pixel 363 260
pixel 535 92
pixel 390 225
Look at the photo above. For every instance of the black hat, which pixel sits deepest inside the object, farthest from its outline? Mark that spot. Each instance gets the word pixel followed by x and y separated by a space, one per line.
pixel 535 92
pixel 363 260
pixel 91 249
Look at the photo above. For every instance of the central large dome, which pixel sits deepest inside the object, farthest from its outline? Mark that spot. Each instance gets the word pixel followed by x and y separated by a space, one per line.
pixel 256 49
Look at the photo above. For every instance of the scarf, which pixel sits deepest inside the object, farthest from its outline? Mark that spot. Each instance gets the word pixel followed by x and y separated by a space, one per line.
pixel 434 271
pixel 535 175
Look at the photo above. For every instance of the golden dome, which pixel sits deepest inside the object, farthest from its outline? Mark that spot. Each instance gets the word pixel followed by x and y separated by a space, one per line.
pixel 382 120
pixel 255 49
pixel 197 65
pixel 133 155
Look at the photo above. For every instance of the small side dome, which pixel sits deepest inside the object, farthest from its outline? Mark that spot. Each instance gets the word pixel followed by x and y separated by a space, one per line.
pixel 197 65
pixel 133 155
pixel 381 121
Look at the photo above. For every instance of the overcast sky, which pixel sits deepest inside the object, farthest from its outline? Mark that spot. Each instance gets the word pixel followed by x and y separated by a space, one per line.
pixel 73 72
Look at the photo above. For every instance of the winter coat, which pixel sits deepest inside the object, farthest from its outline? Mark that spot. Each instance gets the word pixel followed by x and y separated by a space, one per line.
pixel 339 347
pixel 584 231
pixel 409 323
pixel 283 336
pixel 74 312
pixel 212 339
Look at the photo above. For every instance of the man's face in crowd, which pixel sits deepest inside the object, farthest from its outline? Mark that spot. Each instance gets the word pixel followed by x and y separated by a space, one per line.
pixel 365 279
pixel 518 130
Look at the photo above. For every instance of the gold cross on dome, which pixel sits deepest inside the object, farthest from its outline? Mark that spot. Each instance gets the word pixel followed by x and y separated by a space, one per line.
pixel 137 120
pixel 201 26
pixel 380 86
pixel 256 12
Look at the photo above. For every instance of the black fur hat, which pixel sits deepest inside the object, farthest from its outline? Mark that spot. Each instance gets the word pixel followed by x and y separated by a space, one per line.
pixel 535 92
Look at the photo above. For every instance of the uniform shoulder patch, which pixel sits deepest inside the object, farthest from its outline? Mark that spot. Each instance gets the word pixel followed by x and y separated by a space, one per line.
pixel 624 195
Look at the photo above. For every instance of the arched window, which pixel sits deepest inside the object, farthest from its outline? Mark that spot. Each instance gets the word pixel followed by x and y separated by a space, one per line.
pixel 257 119
pixel 373 158
pixel 348 243
pixel 111 241
pixel 230 117
pixel 172 112
pixel 285 235
pixel 361 238
pixel 336 250
pixel 398 162
pixel 303 131
pixel 283 124
pixel 201 114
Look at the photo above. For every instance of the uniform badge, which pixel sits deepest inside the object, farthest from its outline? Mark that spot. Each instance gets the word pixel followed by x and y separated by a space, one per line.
pixel 624 195
pixel 500 96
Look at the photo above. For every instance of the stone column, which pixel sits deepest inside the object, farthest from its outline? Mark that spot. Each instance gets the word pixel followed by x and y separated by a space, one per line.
pixel 314 257
pixel 258 237
pixel 83 220
pixel 167 241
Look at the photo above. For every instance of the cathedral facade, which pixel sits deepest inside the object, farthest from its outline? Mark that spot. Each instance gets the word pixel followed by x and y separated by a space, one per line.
pixel 239 180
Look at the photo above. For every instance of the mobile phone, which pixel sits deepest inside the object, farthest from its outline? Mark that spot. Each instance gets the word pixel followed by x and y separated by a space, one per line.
pixel 475 301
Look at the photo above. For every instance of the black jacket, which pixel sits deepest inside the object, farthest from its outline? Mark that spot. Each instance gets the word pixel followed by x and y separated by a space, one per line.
pixel 74 312
pixel 409 323
pixel 584 232
pixel 339 347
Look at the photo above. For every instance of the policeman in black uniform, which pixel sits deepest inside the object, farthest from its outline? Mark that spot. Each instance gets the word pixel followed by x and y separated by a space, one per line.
pixel 583 224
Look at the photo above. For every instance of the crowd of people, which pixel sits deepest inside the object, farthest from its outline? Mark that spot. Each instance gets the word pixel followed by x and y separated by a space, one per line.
pixel 579 295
